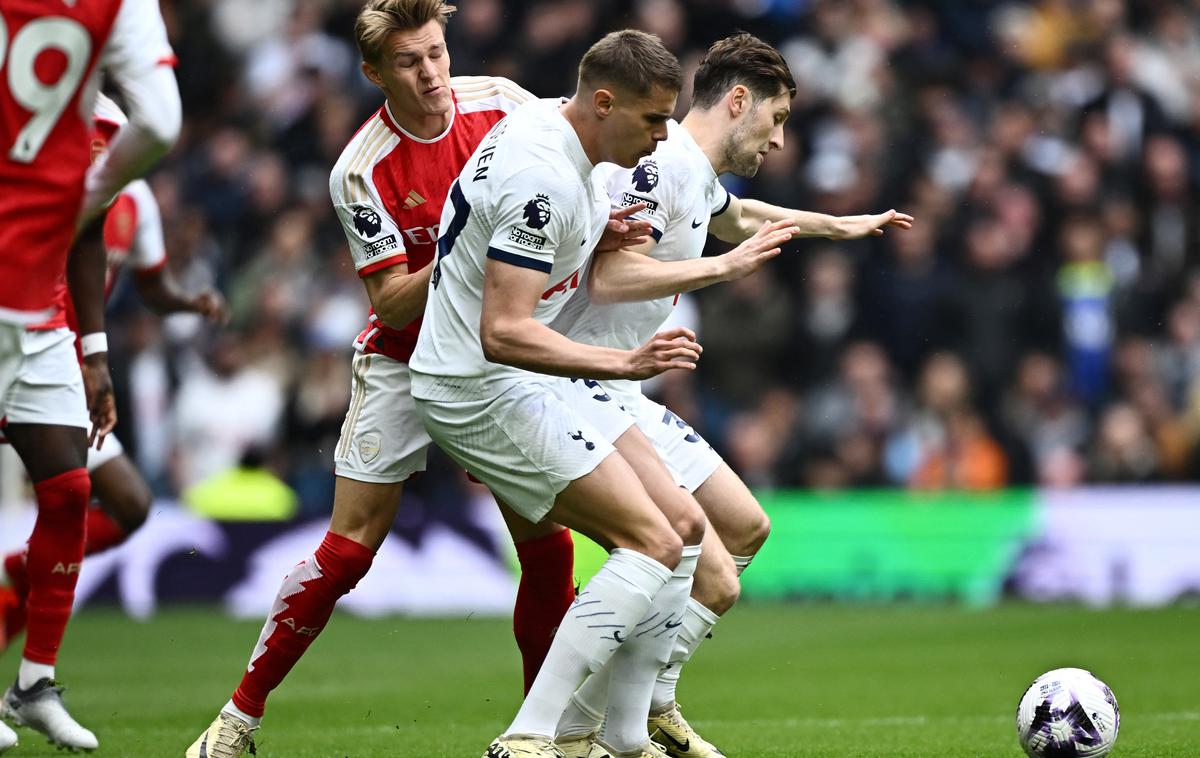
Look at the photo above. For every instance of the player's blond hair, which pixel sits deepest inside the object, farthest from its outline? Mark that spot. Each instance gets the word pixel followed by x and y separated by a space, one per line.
pixel 379 18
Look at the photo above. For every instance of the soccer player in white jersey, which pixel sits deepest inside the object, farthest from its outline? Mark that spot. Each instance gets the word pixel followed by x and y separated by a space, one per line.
pixel 50 190
pixel 742 92
pixel 521 221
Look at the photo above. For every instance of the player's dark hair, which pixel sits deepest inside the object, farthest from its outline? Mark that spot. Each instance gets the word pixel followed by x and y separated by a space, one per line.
pixel 632 61
pixel 379 18
pixel 741 59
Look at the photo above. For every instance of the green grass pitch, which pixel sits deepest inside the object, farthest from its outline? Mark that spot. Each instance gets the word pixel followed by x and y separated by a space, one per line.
pixel 777 680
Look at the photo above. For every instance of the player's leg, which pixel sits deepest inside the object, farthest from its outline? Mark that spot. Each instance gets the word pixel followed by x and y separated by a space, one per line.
pixel 55 457
pixel 381 445
pixel 547 586
pixel 47 427
pixel 123 496
pixel 623 694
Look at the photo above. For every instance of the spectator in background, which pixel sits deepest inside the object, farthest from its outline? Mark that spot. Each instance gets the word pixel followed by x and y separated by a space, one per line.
pixel 1085 287
pixel 1052 427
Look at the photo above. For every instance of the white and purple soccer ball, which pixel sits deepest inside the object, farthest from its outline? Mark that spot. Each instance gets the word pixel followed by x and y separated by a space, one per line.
pixel 1068 713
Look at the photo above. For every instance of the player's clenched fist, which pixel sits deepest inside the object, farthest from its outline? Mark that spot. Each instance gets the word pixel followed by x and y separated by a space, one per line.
pixel 673 348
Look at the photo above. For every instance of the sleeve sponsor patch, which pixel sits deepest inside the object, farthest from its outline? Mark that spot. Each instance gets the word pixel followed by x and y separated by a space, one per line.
pixel 384 245
pixel 628 199
pixel 526 239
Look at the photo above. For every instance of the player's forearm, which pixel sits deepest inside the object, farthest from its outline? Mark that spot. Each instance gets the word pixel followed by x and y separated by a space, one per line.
pixel 154 122
pixel 400 299
pixel 755 213
pixel 159 294
pixel 530 345
pixel 623 276
pixel 85 278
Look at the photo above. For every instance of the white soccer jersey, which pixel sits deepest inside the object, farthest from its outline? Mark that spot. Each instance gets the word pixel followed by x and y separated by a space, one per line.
pixel 527 197
pixel 681 190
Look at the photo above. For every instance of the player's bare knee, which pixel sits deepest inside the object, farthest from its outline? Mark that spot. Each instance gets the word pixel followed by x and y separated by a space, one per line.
pixel 131 510
pixel 755 536
pixel 716 587
pixel 663 545
pixel 690 524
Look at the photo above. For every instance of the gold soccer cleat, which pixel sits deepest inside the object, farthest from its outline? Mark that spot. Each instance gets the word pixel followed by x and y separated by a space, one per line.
pixel 671 730
pixel 226 737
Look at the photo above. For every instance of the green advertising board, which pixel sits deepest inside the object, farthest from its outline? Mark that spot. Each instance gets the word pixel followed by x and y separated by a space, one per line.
pixel 881 545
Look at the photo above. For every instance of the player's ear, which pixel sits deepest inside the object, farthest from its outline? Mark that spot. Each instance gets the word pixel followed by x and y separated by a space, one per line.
pixel 372 74
pixel 603 101
pixel 739 100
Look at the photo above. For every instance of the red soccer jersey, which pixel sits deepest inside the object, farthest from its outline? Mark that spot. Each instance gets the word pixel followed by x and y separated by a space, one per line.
pixel 47 53
pixel 388 188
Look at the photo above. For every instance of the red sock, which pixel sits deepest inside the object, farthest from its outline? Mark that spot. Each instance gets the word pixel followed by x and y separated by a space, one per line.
pixel 546 591
pixel 103 531
pixel 55 554
pixel 18 573
pixel 302 607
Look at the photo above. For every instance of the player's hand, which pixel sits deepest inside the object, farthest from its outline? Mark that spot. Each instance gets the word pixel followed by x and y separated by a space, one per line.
pixel 673 348
pixel 98 389
pixel 855 227
pixel 622 231
pixel 747 257
pixel 211 306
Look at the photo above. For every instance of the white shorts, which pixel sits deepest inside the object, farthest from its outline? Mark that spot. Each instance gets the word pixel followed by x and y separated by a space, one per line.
pixel 10 355
pixel 382 440
pixel 526 443
pixel 687 456
pixel 112 449
pixel 48 386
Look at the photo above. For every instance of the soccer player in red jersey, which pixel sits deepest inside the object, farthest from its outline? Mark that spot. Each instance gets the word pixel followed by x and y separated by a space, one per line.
pixel 388 188
pixel 49 55
pixel 133 238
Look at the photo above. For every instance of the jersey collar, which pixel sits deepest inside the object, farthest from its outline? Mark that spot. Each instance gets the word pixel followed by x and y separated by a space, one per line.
pixel 390 120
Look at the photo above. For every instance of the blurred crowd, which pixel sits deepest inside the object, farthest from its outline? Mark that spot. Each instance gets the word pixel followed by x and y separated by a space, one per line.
pixel 1039 324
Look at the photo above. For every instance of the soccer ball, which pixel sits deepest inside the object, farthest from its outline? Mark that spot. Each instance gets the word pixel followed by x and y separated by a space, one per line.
pixel 1068 713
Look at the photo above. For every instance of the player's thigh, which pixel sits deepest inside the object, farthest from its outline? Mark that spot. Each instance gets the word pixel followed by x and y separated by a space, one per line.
pixel 618 425
pixel 45 405
pixel 382 440
pixel 733 511
pixel 120 488
pixel 680 508
pixel 689 458
pixel 610 506
pixel 364 511
pixel 522 529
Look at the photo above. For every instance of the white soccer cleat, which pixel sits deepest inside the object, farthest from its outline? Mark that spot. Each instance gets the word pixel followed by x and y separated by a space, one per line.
pixel 671 730
pixel 522 746
pixel 589 746
pixel 8 738
pixel 226 737
pixel 41 708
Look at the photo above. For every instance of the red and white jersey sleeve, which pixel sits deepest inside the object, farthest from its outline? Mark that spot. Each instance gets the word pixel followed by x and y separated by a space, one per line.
pixel 134 237
pixel 371 231
pixel 138 42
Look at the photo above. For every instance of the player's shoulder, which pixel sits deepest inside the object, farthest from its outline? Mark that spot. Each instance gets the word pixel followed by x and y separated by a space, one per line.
pixel 475 93
pixel 373 141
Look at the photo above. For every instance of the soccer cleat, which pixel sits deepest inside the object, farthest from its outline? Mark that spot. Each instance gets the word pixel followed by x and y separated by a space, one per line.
pixel 8 738
pixel 226 737
pixel 41 708
pixel 580 746
pixel 522 746
pixel 671 730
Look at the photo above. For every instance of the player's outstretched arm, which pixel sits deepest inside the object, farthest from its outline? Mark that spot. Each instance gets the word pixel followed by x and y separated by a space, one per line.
pixel 632 275
pixel 510 335
pixel 744 217
pixel 160 293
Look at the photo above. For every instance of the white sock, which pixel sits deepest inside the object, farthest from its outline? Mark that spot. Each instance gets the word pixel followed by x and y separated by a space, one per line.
pixel 698 621
pixel 31 673
pixel 585 713
pixel 601 618
pixel 742 562
pixel 238 713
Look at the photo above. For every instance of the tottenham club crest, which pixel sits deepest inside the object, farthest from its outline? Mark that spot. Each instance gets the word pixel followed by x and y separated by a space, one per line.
pixel 537 212
pixel 366 221
pixel 645 176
